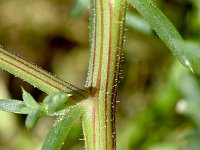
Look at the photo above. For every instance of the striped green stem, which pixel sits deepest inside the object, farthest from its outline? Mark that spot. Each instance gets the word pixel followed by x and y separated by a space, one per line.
pixel 37 76
pixel 107 29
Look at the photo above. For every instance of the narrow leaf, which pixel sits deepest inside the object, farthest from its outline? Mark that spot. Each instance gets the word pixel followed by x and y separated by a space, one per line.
pixel 32 118
pixel 164 29
pixel 136 22
pixel 61 128
pixel 15 106
pixel 28 99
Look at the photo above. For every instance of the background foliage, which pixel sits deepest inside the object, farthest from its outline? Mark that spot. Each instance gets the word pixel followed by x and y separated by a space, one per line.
pixel 159 99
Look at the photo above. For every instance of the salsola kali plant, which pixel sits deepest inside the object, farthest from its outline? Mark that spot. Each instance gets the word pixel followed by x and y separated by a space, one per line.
pixel 95 104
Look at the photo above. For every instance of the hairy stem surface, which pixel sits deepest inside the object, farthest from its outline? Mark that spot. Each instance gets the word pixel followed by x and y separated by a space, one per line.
pixel 107 29
pixel 37 76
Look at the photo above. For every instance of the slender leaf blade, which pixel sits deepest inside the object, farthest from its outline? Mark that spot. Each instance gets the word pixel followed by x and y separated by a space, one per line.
pixel 28 99
pixel 15 106
pixel 136 22
pixel 164 29
pixel 61 128
pixel 32 118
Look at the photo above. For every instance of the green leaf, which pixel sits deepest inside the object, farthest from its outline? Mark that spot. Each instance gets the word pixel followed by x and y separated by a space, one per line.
pixel 193 51
pixel 55 102
pixel 61 128
pixel 136 22
pixel 51 106
pixel 28 99
pixel 35 109
pixel 191 93
pixel 15 106
pixel 164 29
pixel 79 6
pixel 32 118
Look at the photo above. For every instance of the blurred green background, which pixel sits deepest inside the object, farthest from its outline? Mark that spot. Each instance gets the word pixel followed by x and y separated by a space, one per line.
pixel 159 100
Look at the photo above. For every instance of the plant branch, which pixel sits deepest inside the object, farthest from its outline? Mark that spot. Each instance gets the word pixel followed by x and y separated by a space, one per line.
pixel 37 76
pixel 107 22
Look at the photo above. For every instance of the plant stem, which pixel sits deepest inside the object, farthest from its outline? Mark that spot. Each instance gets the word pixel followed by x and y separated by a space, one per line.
pixel 37 76
pixel 107 18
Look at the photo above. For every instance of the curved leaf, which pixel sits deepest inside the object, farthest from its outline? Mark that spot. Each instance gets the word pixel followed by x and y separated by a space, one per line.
pixel 61 128
pixel 164 29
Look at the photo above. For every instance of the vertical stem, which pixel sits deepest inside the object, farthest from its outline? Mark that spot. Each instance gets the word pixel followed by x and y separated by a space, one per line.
pixel 107 18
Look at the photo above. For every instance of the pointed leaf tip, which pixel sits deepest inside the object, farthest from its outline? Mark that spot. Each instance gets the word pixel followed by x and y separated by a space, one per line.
pixel 28 99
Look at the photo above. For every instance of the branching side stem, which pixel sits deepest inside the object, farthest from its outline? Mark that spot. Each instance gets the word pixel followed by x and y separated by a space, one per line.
pixel 37 76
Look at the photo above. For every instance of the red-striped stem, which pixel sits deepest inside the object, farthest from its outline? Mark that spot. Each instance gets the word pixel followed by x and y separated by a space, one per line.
pixel 37 76
pixel 106 43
